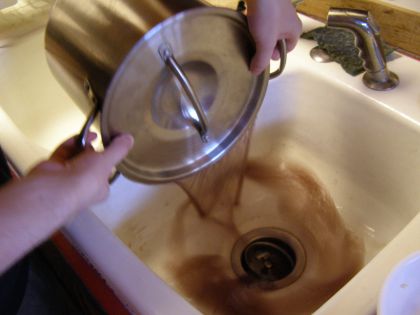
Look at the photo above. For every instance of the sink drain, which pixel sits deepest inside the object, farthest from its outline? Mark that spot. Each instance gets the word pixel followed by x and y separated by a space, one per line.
pixel 269 256
pixel 268 259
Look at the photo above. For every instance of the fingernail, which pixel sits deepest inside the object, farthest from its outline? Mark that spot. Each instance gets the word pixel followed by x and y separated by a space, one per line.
pixel 253 70
pixel 256 71
pixel 91 137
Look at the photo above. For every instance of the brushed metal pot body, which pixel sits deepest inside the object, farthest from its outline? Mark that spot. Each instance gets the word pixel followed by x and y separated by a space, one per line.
pixel 88 40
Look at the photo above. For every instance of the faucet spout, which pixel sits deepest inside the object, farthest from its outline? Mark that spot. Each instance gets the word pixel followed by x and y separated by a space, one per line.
pixel 369 43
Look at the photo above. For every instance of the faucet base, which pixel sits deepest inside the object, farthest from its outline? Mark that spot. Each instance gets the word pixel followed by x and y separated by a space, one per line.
pixel 381 81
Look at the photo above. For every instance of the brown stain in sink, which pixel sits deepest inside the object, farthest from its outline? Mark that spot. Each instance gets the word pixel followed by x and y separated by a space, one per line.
pixel 334 254
pixel 207 281
pixel 190 248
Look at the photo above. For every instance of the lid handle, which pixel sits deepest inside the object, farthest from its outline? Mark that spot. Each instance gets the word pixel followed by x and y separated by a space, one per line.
pixel 194 113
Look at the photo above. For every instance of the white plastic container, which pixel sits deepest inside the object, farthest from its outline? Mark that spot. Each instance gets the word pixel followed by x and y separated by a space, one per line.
pixel 400 293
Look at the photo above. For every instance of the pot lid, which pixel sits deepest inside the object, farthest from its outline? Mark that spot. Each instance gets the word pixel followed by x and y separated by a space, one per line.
pixel 180 129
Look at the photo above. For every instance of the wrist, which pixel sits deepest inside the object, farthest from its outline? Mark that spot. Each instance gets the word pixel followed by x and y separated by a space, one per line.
pixel 58 195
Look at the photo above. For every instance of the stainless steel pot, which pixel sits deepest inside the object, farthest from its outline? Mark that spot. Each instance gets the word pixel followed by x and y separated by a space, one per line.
pixel 165 71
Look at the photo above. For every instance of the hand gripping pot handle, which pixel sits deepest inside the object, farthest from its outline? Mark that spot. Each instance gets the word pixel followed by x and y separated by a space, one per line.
pixel 281 45
pixel 81 140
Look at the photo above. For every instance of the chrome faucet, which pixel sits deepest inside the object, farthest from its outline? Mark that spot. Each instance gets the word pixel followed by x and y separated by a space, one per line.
pixel 369 42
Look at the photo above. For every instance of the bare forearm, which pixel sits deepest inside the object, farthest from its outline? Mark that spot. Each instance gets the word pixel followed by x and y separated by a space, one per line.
pixel 30 211
pixel 70 181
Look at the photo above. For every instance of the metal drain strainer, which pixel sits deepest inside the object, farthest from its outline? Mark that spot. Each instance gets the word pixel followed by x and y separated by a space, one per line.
pixel 269 256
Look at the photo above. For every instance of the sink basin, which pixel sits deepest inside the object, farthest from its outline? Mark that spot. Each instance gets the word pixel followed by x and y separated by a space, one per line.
pixel 364 156
pixel 358 149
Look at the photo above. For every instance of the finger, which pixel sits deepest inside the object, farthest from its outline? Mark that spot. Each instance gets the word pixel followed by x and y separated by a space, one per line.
pixel 293 38
pixel 117 150
pixel 262 57
pixel 65 151
pixel 91 137
pixel 46 166
pixel 70 149
pixel 291 43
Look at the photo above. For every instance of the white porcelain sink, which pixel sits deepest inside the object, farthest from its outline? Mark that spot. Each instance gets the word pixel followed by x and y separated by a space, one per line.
pixel 362 145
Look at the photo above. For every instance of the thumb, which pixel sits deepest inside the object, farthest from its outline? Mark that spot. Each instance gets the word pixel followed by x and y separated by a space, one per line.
pixel 118 149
